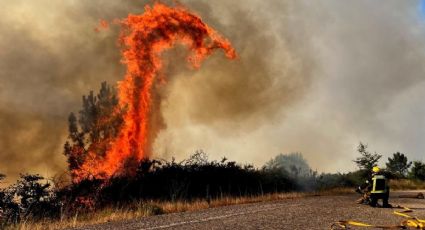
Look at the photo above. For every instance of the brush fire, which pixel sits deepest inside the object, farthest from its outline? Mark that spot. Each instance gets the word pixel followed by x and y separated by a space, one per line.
pixel 144 38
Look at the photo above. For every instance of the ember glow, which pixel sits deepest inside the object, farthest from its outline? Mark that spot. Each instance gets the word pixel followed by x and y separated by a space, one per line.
pixel 144 38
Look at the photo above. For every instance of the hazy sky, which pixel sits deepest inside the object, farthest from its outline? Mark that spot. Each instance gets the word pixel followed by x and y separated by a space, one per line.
pixel 314 77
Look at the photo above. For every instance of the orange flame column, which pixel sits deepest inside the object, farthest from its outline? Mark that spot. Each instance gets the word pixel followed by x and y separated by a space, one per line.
pixel 144 38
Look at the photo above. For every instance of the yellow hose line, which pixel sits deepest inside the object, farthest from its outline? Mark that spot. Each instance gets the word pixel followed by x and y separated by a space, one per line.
pixel 410 222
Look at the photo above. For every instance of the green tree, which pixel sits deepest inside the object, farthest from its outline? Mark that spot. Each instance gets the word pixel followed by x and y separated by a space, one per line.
pixel 398 164
pixel 418 171
pixel 98 122
pixel 367 160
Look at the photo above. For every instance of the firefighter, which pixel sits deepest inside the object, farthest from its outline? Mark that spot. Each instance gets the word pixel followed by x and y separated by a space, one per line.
pixel 379 188
pixel 374 189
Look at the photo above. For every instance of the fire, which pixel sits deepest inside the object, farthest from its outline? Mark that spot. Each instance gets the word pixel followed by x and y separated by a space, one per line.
pixel 144 37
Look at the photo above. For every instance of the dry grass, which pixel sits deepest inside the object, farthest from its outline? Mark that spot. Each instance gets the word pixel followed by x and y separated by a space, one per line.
pixel 149 208
pixel 406 184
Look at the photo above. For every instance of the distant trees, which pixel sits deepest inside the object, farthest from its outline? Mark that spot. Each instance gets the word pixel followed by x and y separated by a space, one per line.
pixel 398 165
pixel 417 171
pixel 367 160
pixel 98 121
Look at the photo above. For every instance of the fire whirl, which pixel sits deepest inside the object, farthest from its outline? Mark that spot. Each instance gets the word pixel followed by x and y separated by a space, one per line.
pixel 144 37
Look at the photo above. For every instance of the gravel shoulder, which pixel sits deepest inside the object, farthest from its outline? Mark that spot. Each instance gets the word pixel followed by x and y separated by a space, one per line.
pixel 316 212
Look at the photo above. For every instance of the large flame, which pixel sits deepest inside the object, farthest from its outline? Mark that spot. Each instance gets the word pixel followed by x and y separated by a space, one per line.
pixel 144 38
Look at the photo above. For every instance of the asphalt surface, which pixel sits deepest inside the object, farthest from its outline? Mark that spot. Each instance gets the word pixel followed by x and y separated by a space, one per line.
pixel 317 212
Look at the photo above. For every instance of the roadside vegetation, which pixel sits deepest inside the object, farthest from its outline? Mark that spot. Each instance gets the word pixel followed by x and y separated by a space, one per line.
pixel 193 184
pixel 161 186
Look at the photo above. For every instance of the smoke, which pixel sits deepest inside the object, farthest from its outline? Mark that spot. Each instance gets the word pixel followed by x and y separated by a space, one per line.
pixel 325 75
pixel 370 56
pixel 224 104
pixel 50 57
pixel 313 76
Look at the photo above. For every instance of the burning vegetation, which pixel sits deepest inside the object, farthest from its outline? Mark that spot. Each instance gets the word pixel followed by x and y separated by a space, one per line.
pixel 119 132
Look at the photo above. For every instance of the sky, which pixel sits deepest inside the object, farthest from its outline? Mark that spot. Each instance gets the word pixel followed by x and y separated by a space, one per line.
pixel 315 77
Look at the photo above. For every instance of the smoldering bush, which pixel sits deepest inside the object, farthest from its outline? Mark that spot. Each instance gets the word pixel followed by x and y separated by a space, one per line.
pixel 296 167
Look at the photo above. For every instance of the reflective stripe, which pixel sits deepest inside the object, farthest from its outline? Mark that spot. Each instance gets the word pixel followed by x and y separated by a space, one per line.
pixel 382 184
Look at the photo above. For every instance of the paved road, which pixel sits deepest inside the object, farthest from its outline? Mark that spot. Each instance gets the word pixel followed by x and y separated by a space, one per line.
pixel 301 213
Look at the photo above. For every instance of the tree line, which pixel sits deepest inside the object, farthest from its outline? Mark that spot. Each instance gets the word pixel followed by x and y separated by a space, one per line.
pixel 397 165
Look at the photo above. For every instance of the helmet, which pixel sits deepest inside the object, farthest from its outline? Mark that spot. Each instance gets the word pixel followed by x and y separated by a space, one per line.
pixel 376 169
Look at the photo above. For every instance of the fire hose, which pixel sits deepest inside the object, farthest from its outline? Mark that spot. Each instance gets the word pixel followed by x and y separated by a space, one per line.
pixel 409 222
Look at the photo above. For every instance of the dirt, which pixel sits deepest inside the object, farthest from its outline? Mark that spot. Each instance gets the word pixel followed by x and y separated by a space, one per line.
pixel 317 212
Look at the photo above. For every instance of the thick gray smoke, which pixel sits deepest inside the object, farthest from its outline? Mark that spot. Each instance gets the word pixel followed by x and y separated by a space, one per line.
pixel 356 64
pixel 313 76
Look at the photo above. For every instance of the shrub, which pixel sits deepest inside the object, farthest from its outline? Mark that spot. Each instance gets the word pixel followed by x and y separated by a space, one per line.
pixel 191 179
